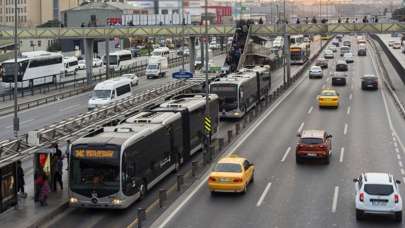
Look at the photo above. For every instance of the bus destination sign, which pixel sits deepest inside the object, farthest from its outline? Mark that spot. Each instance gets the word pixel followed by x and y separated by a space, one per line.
pixel 82 153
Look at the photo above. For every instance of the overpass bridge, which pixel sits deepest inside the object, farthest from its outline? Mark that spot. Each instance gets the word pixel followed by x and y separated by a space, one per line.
pixel 196 31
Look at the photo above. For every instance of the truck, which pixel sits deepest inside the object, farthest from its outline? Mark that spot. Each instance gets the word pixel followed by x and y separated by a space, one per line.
pixel 157 67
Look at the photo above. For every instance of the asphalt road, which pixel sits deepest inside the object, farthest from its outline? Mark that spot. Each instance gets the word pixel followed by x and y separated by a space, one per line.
pixel 106 218
pixel 308 195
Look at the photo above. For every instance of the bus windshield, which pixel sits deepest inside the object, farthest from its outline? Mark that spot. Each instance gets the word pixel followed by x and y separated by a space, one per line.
pixel 95 173
pixel 113 60
pixel 9 68
pixel 296 54
pixel 103 94
pixel 224 91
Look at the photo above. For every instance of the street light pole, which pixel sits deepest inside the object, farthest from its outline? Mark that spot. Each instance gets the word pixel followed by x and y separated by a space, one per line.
pixel 207 107
pixel 287 69
pixel 16 124
pixel 183 21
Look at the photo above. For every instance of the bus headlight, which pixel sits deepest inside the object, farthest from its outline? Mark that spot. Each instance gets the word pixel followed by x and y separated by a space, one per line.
pixel 73 200
pixel 116 201
pixel 236 113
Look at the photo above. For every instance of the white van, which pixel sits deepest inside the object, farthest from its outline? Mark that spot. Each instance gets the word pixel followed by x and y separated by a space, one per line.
pixel 120 60
pixel 71 65
pixel 161 52
pixel 157 67
pixel 110 91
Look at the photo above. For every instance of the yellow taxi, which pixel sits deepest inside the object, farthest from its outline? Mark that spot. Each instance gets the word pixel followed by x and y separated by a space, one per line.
pixel 231 174
pixel 328 98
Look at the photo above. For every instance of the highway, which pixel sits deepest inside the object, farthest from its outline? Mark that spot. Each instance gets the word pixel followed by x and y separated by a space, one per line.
pixel 365 138
pixel 105 218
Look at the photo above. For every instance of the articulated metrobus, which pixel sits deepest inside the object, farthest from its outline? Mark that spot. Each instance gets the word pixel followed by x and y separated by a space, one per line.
pixel 114 166
pixel 34 68
pixel 299 53
pixel 239 92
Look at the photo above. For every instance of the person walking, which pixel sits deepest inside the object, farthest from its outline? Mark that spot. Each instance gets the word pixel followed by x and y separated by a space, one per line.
pixel 20 180
pixel 43 196
pixel 58 172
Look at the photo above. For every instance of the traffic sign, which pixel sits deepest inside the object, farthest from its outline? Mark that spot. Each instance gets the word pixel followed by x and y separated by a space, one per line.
pixel 207 124
pixel 182 75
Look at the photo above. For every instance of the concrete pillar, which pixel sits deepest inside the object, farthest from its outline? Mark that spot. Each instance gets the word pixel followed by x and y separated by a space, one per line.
pixel 107 53
pixel 202 52
pixel 192 54
pixel 88 53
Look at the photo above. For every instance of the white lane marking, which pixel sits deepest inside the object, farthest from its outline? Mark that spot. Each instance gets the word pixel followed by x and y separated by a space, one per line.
pixel 230 150
pixel 393 138
pixel 323 86
pixel 387 112
pixel 398 157
pixel 342 152
pixel 286 154
pixel 301 126
pixel 335 199
pixel 348 110
pixel 266 190
pixel 402 171
pixel 400 164
pixel 21 123
pixel 397 150
pixel 345 130
pixel 395 144
pixel 327 79
pixel 310 109
pixel 403 179
pixel 352 86
pixel 69 108
pixel 351 96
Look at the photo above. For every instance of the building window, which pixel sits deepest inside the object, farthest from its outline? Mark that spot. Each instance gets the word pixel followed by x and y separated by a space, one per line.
pixel 55 9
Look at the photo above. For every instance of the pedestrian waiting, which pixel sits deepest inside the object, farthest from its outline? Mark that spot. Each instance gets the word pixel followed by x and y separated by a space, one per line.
pixel 43 196
pixel 20 180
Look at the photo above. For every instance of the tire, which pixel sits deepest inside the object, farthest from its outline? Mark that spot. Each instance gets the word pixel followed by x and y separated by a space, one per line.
pixel 244 189
pixel 398 216
pixel 359 215
pixel 142 190
pixel 253 178
pixel 298 160
pixel 327 160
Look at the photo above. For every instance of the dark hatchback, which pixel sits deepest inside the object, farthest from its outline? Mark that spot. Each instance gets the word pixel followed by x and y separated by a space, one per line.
pixel 339 79
pixel 369 82
pixel 341 65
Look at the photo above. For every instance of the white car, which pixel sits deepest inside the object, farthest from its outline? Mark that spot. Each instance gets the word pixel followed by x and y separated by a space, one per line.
pixel 97 62
pixel 134 79
pixel 328 54
pixel 391 42
pixel 348 57
pixel 332 48
pixel 82 64
pixel 315 72
pixel 377 193
pixel 396 45
pixel 213 45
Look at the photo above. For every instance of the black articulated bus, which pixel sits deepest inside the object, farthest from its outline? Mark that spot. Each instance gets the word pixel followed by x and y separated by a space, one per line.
pixel 241 91
pixel 192 109
pixel 115 166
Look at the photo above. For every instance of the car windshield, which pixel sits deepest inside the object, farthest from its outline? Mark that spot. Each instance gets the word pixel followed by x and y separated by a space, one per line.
pixel 378 189
pixel 316 68
pixel 101 94
pixel 371 78
pixel 311 141
pixel 228 167
pixel 152 67
pixel 328 93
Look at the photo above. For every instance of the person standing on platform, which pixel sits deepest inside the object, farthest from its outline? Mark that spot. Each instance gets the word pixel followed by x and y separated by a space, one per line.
pixel 20 180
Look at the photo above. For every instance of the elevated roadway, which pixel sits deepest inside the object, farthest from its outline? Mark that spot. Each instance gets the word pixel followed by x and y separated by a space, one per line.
pixel 195 30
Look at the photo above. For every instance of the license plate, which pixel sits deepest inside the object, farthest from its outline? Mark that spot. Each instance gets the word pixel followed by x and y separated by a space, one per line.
pixel 378 203
pixel 311 155
pixel 224 180
pixel 370 86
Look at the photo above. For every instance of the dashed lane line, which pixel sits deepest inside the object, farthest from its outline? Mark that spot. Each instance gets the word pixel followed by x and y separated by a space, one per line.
pixel 400 164
pixel 301 127
pixel 286 154
pixel 310 109
pixel 348 110
pixel 342 152
pixel 261 199
pixel 335 199
pixel 351 96
pixel 345 130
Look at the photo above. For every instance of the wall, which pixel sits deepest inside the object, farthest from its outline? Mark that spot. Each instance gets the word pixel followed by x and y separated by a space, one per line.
pixel 75 18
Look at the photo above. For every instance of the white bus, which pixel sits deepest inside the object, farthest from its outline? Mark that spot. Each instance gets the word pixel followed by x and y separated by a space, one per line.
pixel 120 60
pixel 34 68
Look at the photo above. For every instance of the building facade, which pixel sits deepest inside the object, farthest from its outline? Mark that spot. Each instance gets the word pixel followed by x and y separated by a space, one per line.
pixel 33 12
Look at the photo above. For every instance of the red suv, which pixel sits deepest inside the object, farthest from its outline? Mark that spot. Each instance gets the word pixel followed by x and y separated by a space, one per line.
pixel 316 144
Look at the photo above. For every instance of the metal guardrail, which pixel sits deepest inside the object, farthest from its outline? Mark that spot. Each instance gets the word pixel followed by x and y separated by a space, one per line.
pixel 82 124
pixel 386 80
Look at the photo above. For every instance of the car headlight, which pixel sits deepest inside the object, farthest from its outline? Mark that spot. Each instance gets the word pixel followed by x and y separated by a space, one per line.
pixel 73 200
pixel 236 113
pixel 116 201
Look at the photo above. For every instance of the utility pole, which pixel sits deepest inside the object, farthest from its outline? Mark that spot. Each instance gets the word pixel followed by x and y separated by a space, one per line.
pixel 16 122
pixel 207 107
pixel 183 23
pixel 287 68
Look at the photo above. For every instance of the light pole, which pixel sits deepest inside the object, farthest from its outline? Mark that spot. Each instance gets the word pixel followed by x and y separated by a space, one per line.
pixel 287 69
pixel 16 124
pixel 207 107
pixel 183 22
